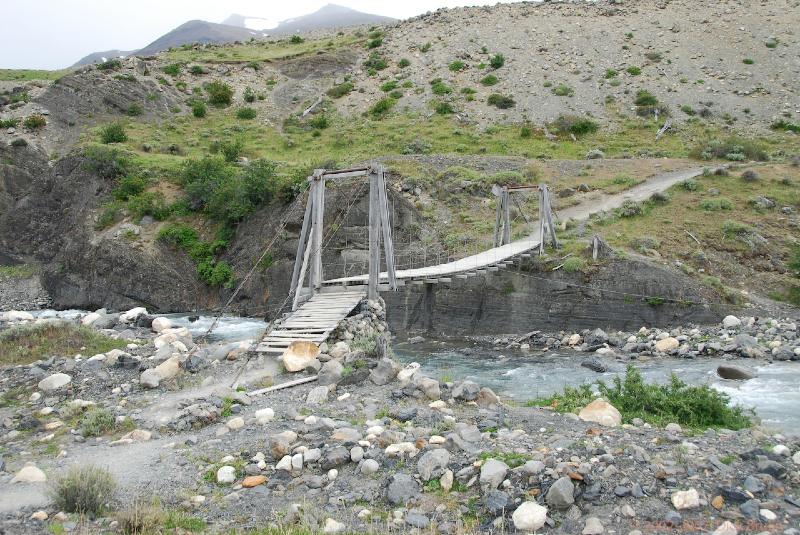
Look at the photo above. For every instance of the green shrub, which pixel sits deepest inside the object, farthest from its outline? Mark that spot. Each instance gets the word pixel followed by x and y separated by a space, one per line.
pixel 340 90
pixel 209 270
pixel 655 57
pixel 630 208
pixel 633 71
pixel 575 124
pixel 503 102
pixel 457 66
pixel 443 108
pixel 694 407
pixel 110 65
pixel 134 110
pixel 489 80
pixel 375 43
pixel 231 150
pixel 27 343
pixel 732 229
pixel 148 203
pixel 786 126
pixel 85 490
pixel 748 61
pixel 772 42
pixel 610 73
pixel 128 187
pixel 220 94
pixel 573 264
pixel 424 48
pixel 690 184
pixel 19 142
pixel 733 148
pixel 645 98
pixel 389 86
pixel 34 122
pixel 113 133
pixel 403 63
pixel 688 110
pixel 562 90
pixel 197 70
pixel 249 95
pixel 375 62
pixel 105 162
pixel 318 121
pixel 497 61
pixel 381 108
pixel 173 69
pixel 296 39
pixel 439 87
pixel 9 123
pixel 199 109
pixel 246 113
pixel 96 422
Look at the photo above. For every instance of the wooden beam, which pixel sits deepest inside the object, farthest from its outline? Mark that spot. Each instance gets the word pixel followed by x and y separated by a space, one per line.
pixel 301 246
pixel 374 237
pixel 388 244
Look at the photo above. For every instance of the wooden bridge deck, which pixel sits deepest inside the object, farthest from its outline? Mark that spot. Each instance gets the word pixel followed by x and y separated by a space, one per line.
pixel 313 321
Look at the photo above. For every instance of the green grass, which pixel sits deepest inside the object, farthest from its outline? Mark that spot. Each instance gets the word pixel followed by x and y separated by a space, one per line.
pixel 28 343
pixel 24 75
pixel 694 407
pixel 21 271
pixel 513 460
pixel 260 50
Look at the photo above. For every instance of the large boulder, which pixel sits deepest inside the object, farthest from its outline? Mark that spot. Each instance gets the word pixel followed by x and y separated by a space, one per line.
pixel 17 315
pixel 601 412
pixel 330 373
pixel 732 371
pixel 150 378
pixel 401 489
pixel 667 344
pixel 385 372
pixel 529 517
pixel 493 472
pixel 54 382
pixel 339 350
pixel 159 324
pixel 731 322
pixel 132 315
pixel 29 474
pixel 300 355
pixel 433 464
pixel 168 369
pixel 466 391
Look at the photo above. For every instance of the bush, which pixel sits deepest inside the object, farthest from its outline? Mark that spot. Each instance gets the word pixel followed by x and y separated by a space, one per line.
pixel 786 126
pixel 210 271
pixel 249 95
pixel 296 39
pixel 748 61
pixel 502 102
pixel 246 113
pixel 716 204
pixel 375 43
pixel 34 122
pixel 9 123
pixel 659 197
pixel 457 66
pixel 318 121
pixel 489 80
pixel 732 228
pixel 19 142
pixel 128 187
pixel 750 176
pixel 610 73
pixel 733 148
pixel 134 110
pixel 172 70
pixel 634 71
pixel 106 162
pixel 381 108
pixel 83 490
pixel 197 70
pixel 375 62
pixel 28 343
pixel 645 98
pixel 439 87
pixel 96 422
pixel 426 47
pixel 694 407
pixel 690 184
pixel 110 65
pixel 199 109
pixel 113 133
pixel 220 94
pixel 443 108
pixel 574 124
pixel 497 61
pixel 338 91
pixel 403 63
pixel 688 110
pixel 231 150
pixel 562 90
pixel 389 86
pixel 630 208
pixel 573 264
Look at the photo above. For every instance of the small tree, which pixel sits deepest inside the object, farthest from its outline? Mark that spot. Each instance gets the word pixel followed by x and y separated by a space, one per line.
pixel 113 133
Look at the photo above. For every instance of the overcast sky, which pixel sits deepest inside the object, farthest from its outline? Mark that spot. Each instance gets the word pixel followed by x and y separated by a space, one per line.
pixel 52 34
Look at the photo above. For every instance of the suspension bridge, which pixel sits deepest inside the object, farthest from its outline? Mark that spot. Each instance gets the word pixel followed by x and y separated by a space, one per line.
pixel 319 304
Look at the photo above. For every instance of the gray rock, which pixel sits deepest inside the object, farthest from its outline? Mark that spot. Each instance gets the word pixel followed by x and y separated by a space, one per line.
pixel 385 372
pixel 150 378
pixel 335 457
pixel 318 395
pixel 54 382
pixel 404 414
pixel 753 484
pixel 466 391
pixel 497 502
pixel 330 373
pixel 561 494
pixel 433 464
pixel 595 364
pixel 402 488
pixel 595 154
pixel 596 337
pixel 673 518
pixel 773 468
pixel 493 472
pixel 416 519
pixel 369 466
pixel 732 371
pixel 428 386
pixel 750 509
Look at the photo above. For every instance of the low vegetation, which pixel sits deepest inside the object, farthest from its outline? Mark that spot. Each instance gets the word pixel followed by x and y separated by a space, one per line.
pixel 695 407
pixel 86 490
pixel 28 343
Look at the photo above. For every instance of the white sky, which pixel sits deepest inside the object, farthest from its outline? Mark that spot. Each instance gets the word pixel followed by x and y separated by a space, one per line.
pixel 52 34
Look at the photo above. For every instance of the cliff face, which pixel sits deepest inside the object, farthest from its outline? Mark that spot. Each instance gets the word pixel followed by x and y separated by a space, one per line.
pixel 521 300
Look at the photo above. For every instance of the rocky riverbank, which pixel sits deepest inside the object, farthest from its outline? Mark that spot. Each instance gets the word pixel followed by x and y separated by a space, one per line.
pixel 370 446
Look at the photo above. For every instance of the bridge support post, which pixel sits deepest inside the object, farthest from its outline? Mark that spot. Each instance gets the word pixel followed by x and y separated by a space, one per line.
pixel 502 221
pixel 379 227
pixel 546 219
